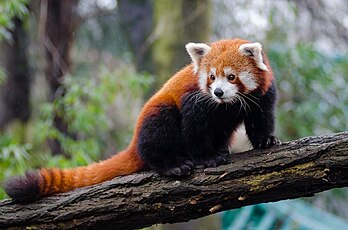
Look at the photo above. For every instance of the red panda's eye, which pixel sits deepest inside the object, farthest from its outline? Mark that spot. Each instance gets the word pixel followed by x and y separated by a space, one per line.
pixel 212 77
pixel 231 77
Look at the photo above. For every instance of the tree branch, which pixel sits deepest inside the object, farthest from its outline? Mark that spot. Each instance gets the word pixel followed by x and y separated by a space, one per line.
pixel 291 170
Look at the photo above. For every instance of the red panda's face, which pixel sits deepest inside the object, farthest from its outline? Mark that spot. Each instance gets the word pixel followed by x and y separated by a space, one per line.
pixel 225 82
pixel 228 69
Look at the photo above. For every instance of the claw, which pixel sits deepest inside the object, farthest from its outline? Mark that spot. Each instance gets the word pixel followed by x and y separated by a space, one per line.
pixel 173 172
pixel 216 160
pixel 184 169
pixel 189 163
pixel 210 164
pixel 221 159
pixel 277 141
pixel 268 142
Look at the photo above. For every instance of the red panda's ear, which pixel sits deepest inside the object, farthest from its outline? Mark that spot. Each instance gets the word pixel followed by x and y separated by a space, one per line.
pixel 253 50
pixel 197 52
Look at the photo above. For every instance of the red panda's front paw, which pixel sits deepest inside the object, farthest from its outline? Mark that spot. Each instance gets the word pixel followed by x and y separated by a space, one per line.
pixel 268 142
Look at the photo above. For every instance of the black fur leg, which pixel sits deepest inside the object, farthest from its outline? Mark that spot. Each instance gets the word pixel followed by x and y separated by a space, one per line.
pixel 259 124
pixel 160 143
pixel 206 130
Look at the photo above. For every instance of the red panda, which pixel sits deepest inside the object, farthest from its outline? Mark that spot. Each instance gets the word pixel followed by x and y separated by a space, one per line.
pixel 188 122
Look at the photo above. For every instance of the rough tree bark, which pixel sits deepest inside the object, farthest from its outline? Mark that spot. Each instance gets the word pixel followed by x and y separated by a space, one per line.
pixel 136 20
pixel 291 170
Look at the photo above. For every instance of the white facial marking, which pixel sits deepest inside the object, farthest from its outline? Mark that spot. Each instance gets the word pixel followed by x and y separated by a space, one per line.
pixel 253 50
pixel 248 80
pixel 203 75
pixel 202 80
pixel 228 71
pixel 230 90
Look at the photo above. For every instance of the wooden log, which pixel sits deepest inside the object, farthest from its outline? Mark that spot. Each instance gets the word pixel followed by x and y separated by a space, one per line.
pixel 295 169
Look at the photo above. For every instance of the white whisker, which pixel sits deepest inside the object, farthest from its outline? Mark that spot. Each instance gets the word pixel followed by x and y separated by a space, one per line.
pixel 246 96
pixel 241 105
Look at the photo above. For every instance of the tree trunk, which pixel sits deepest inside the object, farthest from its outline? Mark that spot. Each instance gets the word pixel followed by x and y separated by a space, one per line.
pixel 136 20
pixel 177 23
pixel 294 169
pixel 15 93
pixel 59 19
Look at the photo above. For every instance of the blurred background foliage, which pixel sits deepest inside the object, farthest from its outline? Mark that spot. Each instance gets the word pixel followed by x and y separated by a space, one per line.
pixel 75 73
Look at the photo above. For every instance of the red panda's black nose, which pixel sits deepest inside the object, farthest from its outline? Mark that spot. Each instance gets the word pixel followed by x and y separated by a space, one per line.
pixel 218 92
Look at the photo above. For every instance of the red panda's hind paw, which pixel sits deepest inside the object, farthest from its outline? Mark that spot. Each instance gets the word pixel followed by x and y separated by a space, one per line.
pixel 184 169
pixel 212 160
pixel 219 159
